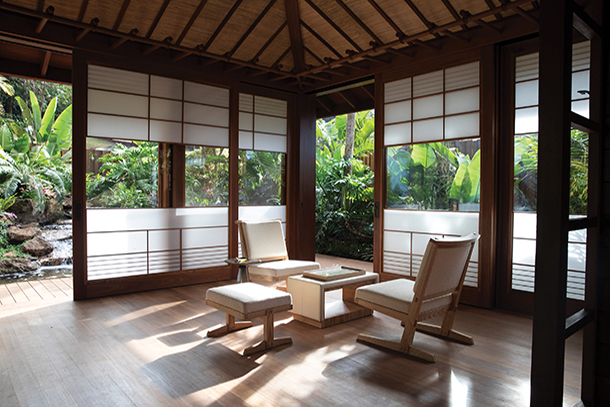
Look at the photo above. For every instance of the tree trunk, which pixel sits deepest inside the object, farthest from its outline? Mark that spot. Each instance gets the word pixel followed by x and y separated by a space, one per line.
pixel 350 133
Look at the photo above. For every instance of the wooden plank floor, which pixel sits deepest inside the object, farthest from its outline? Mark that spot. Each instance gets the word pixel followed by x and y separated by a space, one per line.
pixel 150 349
pixel 35 290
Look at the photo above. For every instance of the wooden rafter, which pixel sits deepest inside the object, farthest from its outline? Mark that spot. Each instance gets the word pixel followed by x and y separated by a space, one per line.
pixel 277 61
pixel 399 32
pixel 526 15
pixel 349 102
pixel 252 27
pixel 44 65
pixel 329 110
pixel 94 22
pixel 269 41
pixel 453 12
pixel 369 94
pixel 334 25
pixel 294 29
pixel 123 39
pixel 44 20
pixel 492 6
pixel 222 25
pixel 119 18
pixel 157 18
pixel 358 21
pixel 191 21
pixel 421 16
pixel 40 5
pixel 83 10
pixel 310 52
pixel 322 40
pixel 466 17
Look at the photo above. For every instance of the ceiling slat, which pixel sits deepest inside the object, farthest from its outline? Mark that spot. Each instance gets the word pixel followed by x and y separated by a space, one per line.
pixel 119 18
pixel 269 41
pixel 322 40
pixel 83 10
pixel 387 18
pixel 453 12
pixel 222 24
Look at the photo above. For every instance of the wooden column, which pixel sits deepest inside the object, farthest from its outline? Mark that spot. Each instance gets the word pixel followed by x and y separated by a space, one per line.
pixel 234 175
pixel 380 182
pixel 548 343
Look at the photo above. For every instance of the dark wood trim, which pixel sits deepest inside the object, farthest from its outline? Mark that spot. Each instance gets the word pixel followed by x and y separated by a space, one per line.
pixel 178 175
pixel 252 27
pixel 234 175
pixel 294 29
pixel 160 13
pixel 380 182
pixel 322 40
pixel 222 25
pixel 83 10
pixel 269 41
pixel 191 21
pixel 334 25
pixel 359 22
pixel 119 18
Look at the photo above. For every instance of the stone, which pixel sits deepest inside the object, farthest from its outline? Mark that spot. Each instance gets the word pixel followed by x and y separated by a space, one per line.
pixel 9 255
pixel 50 261
pixel 37 247
pixel 53 211
pixel 18 235
pixel 26 211
pixel 10 266
pixel 67 202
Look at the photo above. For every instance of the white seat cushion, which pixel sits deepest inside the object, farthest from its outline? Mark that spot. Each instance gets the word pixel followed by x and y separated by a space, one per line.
pixel 282 268
pixel 398 295
pixel 248 297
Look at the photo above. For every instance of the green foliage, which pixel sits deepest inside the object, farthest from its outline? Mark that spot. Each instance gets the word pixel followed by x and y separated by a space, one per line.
pixel 44 91
pixel 207 176
pixel 344 204
pixel 127 177
pixel 261 180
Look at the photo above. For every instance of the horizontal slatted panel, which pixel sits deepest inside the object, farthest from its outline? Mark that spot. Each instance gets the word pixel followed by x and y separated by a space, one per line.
pixel 204 257
pixel 272 107
pixel 163 262
pixel 463 76
pixel 397 90
pixel 117 80
pixel 397 263
pixel 117 266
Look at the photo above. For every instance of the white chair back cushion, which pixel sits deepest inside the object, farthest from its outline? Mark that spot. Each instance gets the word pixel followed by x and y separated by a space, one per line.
pixel 264 239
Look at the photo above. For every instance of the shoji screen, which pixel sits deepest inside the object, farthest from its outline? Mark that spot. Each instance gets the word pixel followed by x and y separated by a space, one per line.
pixel 124 105
pixel 431 113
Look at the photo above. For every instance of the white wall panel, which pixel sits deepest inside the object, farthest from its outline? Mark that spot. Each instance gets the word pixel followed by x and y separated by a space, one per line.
pixel 428 130
pixel 524 251
pixel 397 241
pixel 246 140
pixel 159 240
pixel 204 237
pixel 526 120
pixel 165 87
pixel 428 84
pixel 103 244
pixel 431 106
pixel 526 93
pixel 262 212
pixel 462 126
pixel 163 262
pixel 205 135
pixel 165 109
pixel 397 134
pixel 99 101
pixel 270 142
pixel 581 107
pixel 462 101
pixel 431 222
pixel 246 121
pixel 167 132
pixel 397 112
pixel 209 95
pixel 125 128
pixel 269 124
pixel 210 115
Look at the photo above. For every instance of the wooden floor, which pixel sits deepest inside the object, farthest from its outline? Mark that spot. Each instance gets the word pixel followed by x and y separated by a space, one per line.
pixel 151 349
pixel 36 290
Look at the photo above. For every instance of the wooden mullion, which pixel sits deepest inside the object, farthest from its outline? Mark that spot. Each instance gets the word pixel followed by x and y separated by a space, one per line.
pixel 191 21
pixel 222 25
pixel 548 339
pixel 160 13
pixel 334 25
pixel 380 181
pixel 234 175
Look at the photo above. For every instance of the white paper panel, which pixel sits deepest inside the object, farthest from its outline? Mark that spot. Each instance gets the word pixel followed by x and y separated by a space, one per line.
pixel 103 244
pixel 269 142
pixel 397 242
pixel 580 81
pixel 163 262
pixel 209 95
pixel 268 124
pixel 206 237
pixel 526 93
pixel 577 256
pixel 165 87
pixel 206 136
pixel 118 80
pixel 125 128
pixel 581 107
pixel 420 242
pixel 431 106
pixel 262 212
pixel 464 125
pixel 397 112
pixel 581 56
pixel 428 84
pixel 246 140
pixel 522 278
pixel 165 109
pixel 99 101
pixel 397 263
pixel 102 220
pixel 246 121
pixel 462 101
pixel 526 67
pixel 273 107
pixel 167 132
pixel 431 222
pixel 524 225
pixel 428 130
pixel 524 252
pixel 526 120
pixel 397 90
pixel 580 235
pixel 201 114
pixel 159 240
pixel 126 265
pixel 462 76
pixel 246 102
pixel 397 134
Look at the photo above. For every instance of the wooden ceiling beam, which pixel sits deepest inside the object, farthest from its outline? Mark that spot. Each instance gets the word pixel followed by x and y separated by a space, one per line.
pixel 358 21
pixel 234 68
pixel 181 56
pixel 322 40
pixel 160 13
pixel 44 20
pixel 269 41
pixel 349 102
pixel 526 15
pixel 252 27
pixel 421 16
pixel 399 52
pixel 294 29
pixel 44 65
pixel 396 28
pixel 310 52
pixel 124 38
pixel 466 16
pixel 222 25
pixel 453 12
pixel 119 18
pixel 334 25
pixel 455 36
pixel 369 93
pixel 329 110
pixel 83 10
pixel 276 64
pixel 94 22
pixel 191 22
pixel 492 6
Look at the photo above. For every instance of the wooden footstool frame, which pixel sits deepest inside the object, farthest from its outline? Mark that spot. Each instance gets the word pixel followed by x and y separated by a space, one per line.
pixel 269 339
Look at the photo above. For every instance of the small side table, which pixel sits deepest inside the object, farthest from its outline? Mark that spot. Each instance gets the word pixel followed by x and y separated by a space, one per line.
pixel 242 274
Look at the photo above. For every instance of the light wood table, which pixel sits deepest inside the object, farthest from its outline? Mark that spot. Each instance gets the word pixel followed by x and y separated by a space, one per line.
pixel 309 299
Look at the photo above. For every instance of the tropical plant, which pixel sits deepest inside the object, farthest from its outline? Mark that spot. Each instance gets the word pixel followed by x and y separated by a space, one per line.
pixel 261 180
pixel 6 88
pixel 207 176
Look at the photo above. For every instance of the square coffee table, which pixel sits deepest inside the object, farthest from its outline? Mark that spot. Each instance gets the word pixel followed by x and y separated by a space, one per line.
pixel 309 302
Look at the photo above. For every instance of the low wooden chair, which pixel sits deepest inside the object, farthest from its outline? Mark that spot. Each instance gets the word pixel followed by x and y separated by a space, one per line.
pixel 264 240
pixel 436 290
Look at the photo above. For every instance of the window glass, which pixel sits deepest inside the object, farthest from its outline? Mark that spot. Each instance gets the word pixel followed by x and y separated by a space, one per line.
pixel 261 178
pixel 207 176
pixel 122 173
pixel 435 176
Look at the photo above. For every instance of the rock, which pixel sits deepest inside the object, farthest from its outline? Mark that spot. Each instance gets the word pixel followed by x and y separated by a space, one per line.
pixel 53 211
pixel 9 266
pixel 67 202
pixel 9 255
pixel 50 261
pixel 26 211
pixel 37 247
pixel 18 235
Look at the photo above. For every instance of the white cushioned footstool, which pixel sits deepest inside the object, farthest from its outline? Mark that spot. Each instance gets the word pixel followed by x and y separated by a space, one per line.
pixel 247 301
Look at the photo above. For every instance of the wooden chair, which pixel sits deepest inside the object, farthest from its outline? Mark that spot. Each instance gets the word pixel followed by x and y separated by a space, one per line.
pixel 264 240
pixel 436 290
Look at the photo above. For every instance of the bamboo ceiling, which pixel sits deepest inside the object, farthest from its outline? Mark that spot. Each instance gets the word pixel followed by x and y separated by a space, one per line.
pixel 303 43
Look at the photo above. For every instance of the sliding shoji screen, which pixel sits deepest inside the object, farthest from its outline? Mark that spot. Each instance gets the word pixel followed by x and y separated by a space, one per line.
pixel 125 108
pixel 263 141
pixel 432 143
pixel 526 145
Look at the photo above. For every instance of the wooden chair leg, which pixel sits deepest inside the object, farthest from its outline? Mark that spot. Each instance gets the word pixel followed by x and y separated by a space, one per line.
pixel 446 329
pixel 269 341
pixel 231 326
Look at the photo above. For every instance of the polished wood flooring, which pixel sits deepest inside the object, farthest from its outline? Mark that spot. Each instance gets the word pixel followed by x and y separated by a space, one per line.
pixel 151 349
